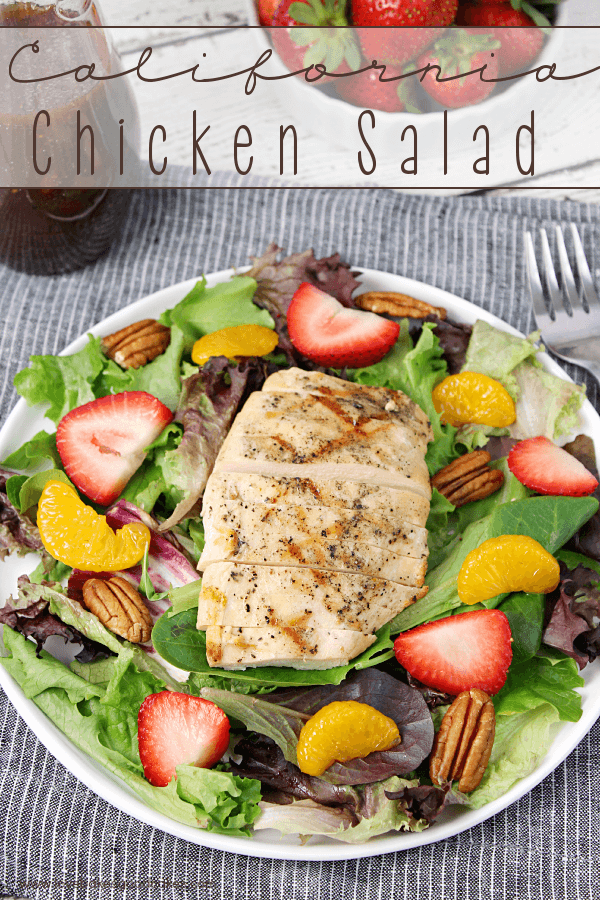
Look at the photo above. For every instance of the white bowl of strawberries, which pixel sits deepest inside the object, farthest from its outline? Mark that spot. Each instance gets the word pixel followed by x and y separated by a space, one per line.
pixel 365 63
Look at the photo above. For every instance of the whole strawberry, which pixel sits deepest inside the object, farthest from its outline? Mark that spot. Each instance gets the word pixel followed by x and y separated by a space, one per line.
pixel 325 41
pixel 520 38
pixel 460 51
pixel 368 91
pixel 266 11
pixel 422 19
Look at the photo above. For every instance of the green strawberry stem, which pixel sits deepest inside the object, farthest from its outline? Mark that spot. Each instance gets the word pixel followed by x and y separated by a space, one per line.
pixel 319 12
pixel 317 20
pixel 539 11
pixel 456 49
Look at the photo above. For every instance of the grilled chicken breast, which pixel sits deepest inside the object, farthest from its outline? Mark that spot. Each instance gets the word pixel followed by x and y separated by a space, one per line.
pixel 314 523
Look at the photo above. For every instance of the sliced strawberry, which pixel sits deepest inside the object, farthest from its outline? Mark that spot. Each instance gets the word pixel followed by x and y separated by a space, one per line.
pixel 470 650
pixel 542 466
pixel 102 443
pixel 176 729
pixel 332 335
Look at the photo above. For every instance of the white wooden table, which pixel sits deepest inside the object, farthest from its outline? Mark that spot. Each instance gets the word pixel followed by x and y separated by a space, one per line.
pixel 212 25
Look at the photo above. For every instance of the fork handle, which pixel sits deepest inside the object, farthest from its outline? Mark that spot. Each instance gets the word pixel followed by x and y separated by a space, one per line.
pixel 593 368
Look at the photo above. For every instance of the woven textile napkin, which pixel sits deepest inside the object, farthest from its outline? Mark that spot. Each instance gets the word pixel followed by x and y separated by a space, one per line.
pixel 58 839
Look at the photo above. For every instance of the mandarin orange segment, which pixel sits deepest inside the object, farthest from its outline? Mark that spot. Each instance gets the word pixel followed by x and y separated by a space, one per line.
pixel 513 562
pixel 341 731
pixel 239 340
pixel 472 398
pixel 75 534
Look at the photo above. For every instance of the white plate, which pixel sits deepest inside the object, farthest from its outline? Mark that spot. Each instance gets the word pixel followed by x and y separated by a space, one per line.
pixel 25 421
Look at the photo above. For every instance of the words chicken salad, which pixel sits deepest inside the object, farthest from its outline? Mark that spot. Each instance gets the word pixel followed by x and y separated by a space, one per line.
pixel 323 557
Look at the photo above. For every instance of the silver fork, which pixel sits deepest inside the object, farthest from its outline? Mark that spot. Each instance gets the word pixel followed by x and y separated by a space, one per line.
pixel 567 329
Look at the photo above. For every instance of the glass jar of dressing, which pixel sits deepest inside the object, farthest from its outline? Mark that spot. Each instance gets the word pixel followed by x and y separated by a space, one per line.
pixel 63 220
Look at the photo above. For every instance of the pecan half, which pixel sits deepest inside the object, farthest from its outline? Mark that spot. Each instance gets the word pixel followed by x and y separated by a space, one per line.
pixel 137 344
pixel 119 607
pixel 398 305
pixel 462 746
pixel 468 478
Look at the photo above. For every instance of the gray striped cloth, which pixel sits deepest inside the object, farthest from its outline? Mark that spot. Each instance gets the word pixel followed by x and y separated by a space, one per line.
pixel 58 839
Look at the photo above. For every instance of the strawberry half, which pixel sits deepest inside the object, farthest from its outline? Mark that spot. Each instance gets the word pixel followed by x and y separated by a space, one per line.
pixel 102 443
pixel 470 650
pixel 333 335
pixel 176 729
pixel 542 466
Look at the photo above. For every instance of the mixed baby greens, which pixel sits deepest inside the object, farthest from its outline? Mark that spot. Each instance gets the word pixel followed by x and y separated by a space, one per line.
pixel 96 699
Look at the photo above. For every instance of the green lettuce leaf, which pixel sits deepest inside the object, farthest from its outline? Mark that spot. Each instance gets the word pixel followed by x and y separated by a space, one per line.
pixel 547 678
pixel 520 744
pixel 98 713
pixel 276 722
pixel 73 613
pixel 62 382
pixel 378 815
pixel 226 803
pixel 50 569
pixel 31 454
pixel 545 404
pixel 205 310
pixel 497 353
pixel 549 520
pixel 151 481
pixel 161 377
pixel 25 493
pixel 447 526
pixel 415 371
pixel 36 675
pixel 525 614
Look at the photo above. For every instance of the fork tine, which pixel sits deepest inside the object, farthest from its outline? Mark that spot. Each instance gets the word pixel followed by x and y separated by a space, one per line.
pixel 566 270
pixel 583 270
pixel 535 284
pixel 551 280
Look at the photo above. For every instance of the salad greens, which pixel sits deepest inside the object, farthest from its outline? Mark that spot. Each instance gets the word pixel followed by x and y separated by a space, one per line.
pixel 99 715
pixel 204 310
pixel 549 520
pixel 415 371
pixel 546 405
pixel 180 643
pixel 95 699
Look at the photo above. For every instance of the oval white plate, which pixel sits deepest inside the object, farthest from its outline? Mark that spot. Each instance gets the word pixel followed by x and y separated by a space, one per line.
pixel 25 421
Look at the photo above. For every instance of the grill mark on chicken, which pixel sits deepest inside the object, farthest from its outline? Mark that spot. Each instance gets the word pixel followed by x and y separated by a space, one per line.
pixel 332 404
pixel 287 446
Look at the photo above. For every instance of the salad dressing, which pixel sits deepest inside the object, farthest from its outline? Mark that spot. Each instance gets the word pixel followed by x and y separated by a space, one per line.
pixel 55 229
